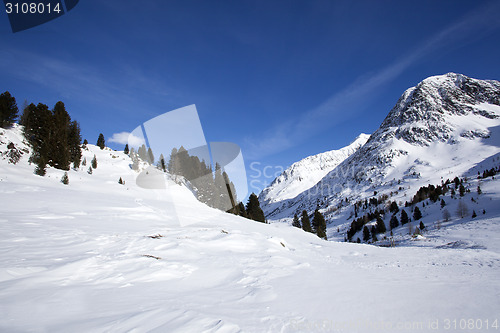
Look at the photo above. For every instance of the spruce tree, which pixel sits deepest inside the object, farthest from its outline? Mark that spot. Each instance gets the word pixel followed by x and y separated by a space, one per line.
pixel 8 110
pixel 366 234
pixel 94 162
pixel 374 233
pixel 253 209
pixel 461 190
pixel 462 209
pixel 394 223
pixel 404 217
pixel 150 156
pixel 126 150
pixel 101 143
pixel 161 163
pixel 380 225
pixel 443 203
pixel 306 223
pixel 59 148
pixel 120 181
pixel 422 226
pixel 89 171
pixel 479 191
pixel 65 179
pixel 417 214
pixel 319 224
pixel 474 214
pixel 296 222
pixel 241 210
pixel 446 215
pixel 74 144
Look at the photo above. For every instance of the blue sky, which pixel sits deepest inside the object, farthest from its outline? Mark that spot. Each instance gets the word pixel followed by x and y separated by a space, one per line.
pixel 282 79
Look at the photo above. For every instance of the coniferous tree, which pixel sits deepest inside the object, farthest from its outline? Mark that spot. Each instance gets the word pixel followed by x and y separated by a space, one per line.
pixel 422 226
pixel 150 156
pixel 94 162
pixel 161 163
pixel 319 224
pixel 8 110
pixel 374 233
pixel 84 162
pixel 461 190
pixel 306 223
pixel 446 215
pixel 366 234
pixel 296 222
pixel 101 143
pixel 89 171
pixel 462 209
pixel 59 149
pixel 474 214
pixel 479 192
pixel 443 203
pixel 394 223
pixel 380 225
pixel 74 144
pixel 404 217
pixel 120 181
pixel 126 150
pixel 417 214
pixel 241 210
pixel 253 209
pixel 394 207
pixel 65 179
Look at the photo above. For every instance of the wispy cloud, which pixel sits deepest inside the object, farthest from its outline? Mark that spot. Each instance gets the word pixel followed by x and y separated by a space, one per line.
pixel 76 80
pixel 125 138
pixel 342 105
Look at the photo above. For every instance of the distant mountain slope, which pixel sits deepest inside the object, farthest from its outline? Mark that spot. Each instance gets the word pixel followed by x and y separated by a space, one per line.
pixel 304 174
pixel 444 126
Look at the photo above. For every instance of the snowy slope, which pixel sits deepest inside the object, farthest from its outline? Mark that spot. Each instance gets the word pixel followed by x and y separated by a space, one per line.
pixel 304 174
pixel 439 129
pixel 97 256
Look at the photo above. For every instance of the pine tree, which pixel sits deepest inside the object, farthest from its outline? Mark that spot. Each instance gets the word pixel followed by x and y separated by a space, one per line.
pixel 126 150
pixel 120 181
pixel 84 162
pixel 150 156
pixel 461 190
pixel 94 162
pixel 417 214
pixel 89 171
pixel 319 224
pixel 253 209
pixel 161 163
pixel 101 143
pixel 241 210
pixel 404 217
pixel 74 144
pixel 380 225
pixel 8 110
pixel 40 168
pixel 462 209
pixel 394 223
pixel 65 179
pixel 446 215
pixel 393 208
pixel 59 148
pixel 296 222
pixel 422 225
pixel 366 234
pixel 474 214
pixel 306 223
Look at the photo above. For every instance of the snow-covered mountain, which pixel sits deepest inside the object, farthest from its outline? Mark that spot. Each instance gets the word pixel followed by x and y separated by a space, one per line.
pixel 440 128
pixel 304 174
pixel 98 256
